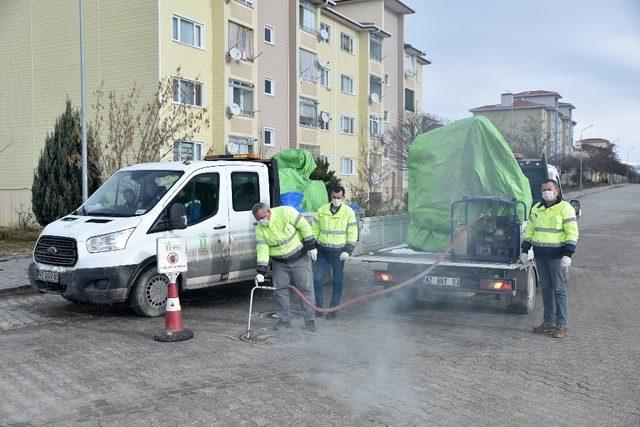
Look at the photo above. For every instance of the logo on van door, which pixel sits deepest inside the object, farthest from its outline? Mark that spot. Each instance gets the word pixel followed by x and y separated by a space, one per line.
pixel 202 240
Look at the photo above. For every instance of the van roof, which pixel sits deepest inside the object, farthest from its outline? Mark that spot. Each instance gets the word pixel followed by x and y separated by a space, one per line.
pixel 187 166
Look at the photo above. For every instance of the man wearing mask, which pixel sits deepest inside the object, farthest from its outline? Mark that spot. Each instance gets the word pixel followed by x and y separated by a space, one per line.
pixel 336 232
pixel 283 235
pixel 552 230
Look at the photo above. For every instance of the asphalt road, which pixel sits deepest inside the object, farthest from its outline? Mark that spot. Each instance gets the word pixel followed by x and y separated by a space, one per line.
pixel 453 362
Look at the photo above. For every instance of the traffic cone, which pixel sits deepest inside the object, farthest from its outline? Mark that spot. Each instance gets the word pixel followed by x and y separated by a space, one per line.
pixel 173 330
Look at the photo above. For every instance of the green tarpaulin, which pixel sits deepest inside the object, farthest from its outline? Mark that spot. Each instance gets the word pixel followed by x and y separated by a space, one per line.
pixel 465 158
pixel 295 167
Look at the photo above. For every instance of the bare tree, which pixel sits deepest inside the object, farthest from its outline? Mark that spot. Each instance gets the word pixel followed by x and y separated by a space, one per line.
pixel 530 138
pixel 136 134
pixel 400 136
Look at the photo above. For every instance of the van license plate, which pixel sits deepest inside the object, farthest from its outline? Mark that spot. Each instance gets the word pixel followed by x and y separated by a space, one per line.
pixel 441 281
pixel 49 276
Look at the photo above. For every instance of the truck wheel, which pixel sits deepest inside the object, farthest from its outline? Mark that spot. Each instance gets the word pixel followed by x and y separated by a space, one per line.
pixel 148 295
pixel 525 299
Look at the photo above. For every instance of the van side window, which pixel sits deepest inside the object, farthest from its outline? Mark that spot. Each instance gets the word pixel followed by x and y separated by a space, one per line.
pixel 245 190
pixel 200 197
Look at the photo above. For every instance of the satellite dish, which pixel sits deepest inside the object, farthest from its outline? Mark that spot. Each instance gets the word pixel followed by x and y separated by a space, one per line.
pixel 324 34
pixel 386 138
pixel 322 63
pixel 233 148
pixel 374 97
pixel 234 109
pixel 409 73
pixel 235 54
pixel 324 116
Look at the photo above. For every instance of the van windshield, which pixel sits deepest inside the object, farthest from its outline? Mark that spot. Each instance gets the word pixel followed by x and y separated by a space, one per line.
pixel 129 193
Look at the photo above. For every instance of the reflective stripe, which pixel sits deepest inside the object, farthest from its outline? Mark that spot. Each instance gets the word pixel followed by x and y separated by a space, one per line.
pixel 548 230
pixel 548 245
pixel 330 245
pixel 352 224
pixel 315 219
pixel 263 264
pixel 571 242
pixel 261 242
pixel 338 232
pixel 352 243
pixel 568 220
pixel 526 240
pixel 297 220
pixel 284 242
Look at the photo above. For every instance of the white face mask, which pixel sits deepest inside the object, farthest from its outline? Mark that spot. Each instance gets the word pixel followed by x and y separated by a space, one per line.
pixel 337 202
pixel 548 196
pixel 265 221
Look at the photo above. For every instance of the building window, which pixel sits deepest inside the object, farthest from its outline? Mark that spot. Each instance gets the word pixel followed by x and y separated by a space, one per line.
pixel 245 190
pixel 241 38
pixel 375 126
pixel 375 48
pixel 241 93
pixel 269 86
pixel 269 34
pixel 324 120
pixel 386 116
pixel 347 166
pixel 409 65
pixel 386 154
pixel 325 77
pixel 307 16
pixel 326 27
pixel 308 63
pixel 246 2
pixel 308 113
pixel 387 81
pixel 325 159
pixel 187 32
pixel 269 136
pixel 347 43
pixel 188 92
pixel 347 84
pixel 375 88
pixel 313 149
pixel 409 100
pixel 347 124
pixel 240 145
pixel 187 150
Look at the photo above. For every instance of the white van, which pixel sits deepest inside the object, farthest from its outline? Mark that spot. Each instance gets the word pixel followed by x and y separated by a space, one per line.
pixel 105 251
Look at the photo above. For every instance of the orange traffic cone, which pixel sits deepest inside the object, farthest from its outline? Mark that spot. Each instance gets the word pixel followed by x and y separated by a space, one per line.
pixel 173 330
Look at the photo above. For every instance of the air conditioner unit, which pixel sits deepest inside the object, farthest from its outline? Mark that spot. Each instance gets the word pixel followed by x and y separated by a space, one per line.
pixel 235 54
pixel 233 110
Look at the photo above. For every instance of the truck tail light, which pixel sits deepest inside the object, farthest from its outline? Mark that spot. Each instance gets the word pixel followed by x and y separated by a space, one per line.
pixel 496 284
pixel 382 276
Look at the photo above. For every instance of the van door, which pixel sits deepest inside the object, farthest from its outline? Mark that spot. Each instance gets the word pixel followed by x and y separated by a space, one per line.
pixel 248 185
pixel 207 232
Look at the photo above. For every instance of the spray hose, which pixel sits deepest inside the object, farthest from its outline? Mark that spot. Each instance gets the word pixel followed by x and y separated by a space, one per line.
pixel 393 288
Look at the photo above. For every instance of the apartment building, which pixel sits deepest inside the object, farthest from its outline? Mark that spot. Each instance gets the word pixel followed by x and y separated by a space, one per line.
pixel 315 74
pixel 551 119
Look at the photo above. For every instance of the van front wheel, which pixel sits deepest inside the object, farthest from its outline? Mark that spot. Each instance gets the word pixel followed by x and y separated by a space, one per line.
pixel 148 296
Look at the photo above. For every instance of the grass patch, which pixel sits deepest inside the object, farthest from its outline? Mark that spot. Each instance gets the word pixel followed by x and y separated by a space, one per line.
pixel 15 241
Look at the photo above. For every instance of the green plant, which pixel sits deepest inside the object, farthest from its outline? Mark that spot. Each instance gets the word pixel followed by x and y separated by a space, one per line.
pixel 57 182
pixel 323 173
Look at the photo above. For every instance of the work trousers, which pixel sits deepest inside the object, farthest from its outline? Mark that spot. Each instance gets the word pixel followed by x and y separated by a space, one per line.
pixel 299 274
pixel 554 291
pixel 325 261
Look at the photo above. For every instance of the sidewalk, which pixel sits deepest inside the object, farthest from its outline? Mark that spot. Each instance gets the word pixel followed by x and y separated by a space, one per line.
pixel 576 194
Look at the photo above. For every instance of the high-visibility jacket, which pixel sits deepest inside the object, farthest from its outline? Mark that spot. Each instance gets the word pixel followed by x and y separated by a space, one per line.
pixel 287 238
pixel 551 230
pixel 335 232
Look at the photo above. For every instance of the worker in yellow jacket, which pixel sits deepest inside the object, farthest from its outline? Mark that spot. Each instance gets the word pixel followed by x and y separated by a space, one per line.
pixel 283 235
pixel 552 231
pixel 336 232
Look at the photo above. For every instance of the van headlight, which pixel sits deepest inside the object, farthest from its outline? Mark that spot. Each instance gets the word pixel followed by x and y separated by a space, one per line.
pixel 109 242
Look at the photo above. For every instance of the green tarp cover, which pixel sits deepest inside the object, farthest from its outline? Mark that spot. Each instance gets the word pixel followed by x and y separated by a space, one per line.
pixel 465 158
pixel 294 169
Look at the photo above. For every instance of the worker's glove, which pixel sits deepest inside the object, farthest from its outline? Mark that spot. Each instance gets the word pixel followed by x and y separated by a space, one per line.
pixel 259 278
pixel 313 254
pixel 344 256
pixel 524 257
pixel 565 262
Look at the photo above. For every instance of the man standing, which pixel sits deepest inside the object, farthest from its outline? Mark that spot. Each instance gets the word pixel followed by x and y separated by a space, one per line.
pixel 283 235
pixel 552 230
pixel 336 231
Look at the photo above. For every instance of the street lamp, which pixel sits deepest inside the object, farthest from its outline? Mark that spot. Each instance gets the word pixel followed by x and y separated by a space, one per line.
pixel 628 151
pixel 582 152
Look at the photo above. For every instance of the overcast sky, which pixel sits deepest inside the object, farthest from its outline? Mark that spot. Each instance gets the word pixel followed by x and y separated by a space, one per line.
pixel 588 51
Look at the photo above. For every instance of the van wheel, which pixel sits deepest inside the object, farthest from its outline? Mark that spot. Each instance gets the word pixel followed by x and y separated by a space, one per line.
pixel 148 296
pixel 525 300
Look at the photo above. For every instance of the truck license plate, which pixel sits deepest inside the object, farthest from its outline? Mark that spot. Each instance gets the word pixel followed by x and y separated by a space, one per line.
pixel 48 276
pixel 441 281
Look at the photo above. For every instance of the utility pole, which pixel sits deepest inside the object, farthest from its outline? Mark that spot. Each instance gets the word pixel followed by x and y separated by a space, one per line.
pixel 628 151
pixel 83 95
pixel 582 152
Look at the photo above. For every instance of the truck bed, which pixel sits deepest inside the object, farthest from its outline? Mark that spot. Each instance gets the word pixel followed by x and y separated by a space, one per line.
pixel 403 254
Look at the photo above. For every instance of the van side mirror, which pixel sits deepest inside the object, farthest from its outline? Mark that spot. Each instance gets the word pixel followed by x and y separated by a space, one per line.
pixel 178 217
pixel 576 207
